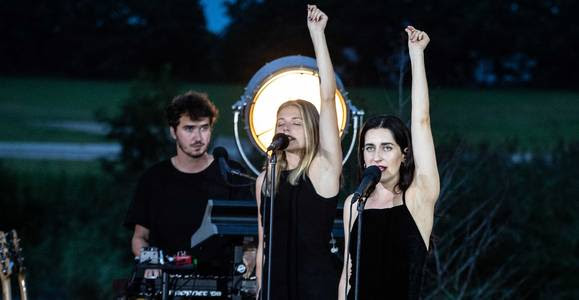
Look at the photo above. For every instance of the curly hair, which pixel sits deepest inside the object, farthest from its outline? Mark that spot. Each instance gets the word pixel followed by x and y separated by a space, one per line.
pixel 193 104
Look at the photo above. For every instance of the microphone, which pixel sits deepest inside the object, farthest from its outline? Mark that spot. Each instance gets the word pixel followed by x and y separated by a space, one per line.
pixel 370 178
pixel 280 141
pixel 222 156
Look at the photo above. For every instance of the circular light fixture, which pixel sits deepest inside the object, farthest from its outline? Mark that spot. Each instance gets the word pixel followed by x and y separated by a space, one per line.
pixel 284 79
pixel 287 85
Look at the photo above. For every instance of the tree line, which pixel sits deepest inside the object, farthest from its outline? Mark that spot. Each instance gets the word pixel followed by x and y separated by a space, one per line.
pixel 484 43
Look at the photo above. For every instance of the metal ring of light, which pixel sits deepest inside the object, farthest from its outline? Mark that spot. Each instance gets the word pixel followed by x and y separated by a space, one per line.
pixel 284 79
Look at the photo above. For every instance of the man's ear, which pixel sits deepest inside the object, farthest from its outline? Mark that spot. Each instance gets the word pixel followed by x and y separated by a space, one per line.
pixel 172 130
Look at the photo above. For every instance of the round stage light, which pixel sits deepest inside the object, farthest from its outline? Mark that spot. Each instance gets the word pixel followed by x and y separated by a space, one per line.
pixel 284 79
pixel 290 84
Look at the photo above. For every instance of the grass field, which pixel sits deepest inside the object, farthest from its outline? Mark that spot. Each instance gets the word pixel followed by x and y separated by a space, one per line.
pixel 48 168
pixel 533 118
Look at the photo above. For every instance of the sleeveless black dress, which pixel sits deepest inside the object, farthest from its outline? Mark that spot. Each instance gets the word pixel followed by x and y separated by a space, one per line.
pixel 302 266
pixel 392 257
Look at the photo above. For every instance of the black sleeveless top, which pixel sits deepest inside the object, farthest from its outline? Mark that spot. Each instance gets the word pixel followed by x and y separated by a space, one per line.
pixel 392 257
pixel 302 266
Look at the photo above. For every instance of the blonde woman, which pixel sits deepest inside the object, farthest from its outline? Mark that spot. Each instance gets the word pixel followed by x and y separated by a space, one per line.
pixel 308 176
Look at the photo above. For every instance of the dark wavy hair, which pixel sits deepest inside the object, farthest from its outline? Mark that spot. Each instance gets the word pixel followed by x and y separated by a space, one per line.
pixel 402 137
pixel 193 104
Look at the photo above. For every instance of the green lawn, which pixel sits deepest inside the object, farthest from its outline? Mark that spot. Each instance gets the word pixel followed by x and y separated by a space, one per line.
pixel 50 168
pixel 28 103
pixel 534 118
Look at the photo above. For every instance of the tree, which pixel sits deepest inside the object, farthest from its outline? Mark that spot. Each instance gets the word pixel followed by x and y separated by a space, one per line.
pixel 141 127
pixel 482 43
pixel 104 38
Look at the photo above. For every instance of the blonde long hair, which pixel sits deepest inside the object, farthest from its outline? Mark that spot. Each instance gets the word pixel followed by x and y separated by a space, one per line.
pixel 311 120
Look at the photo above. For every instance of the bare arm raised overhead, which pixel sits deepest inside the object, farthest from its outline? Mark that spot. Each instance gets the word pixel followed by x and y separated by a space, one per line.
pixel 426 177
pixel 327 165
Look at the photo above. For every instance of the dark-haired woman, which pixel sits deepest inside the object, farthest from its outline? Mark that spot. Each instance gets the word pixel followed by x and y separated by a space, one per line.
pixel 399 213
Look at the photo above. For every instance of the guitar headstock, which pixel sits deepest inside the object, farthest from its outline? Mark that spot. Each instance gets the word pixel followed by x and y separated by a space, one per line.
pixel 16 251
pixel 5 262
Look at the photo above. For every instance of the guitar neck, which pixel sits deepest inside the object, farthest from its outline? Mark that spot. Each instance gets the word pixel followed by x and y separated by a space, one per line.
pixel 22 286
pixel 6 290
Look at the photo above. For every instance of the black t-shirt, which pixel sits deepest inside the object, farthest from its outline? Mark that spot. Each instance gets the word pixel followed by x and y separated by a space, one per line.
pixel 171 203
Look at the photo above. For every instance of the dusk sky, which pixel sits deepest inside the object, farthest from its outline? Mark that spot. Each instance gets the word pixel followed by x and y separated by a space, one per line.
pixel 215 14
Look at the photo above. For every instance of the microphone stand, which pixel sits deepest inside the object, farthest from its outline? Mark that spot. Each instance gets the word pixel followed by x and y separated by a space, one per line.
pixel 361 203
pixel 272 192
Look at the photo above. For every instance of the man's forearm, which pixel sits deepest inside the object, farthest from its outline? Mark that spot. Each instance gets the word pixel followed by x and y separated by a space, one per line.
pixel 137 243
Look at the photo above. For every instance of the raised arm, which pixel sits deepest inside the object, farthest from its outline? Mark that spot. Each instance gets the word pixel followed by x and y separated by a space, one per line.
pixel 329 156
pixel 426 172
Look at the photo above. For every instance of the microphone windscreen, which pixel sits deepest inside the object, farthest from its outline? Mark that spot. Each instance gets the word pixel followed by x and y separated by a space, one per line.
pixel 372 172
pixel 280 141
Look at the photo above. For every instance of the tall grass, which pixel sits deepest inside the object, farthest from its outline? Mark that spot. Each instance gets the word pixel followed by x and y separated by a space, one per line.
pixel 69 218
pixel 505 229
